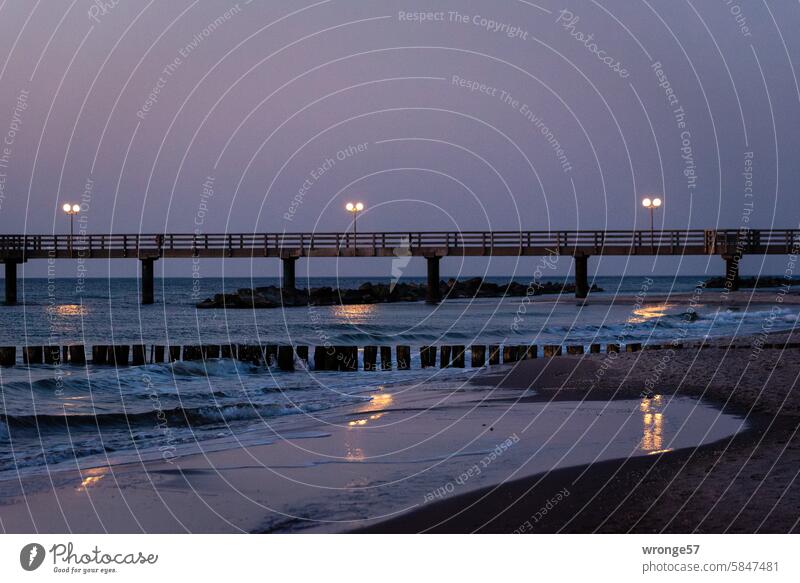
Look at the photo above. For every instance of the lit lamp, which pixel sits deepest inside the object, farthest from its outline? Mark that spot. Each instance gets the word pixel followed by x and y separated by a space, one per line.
pixel 71 210
pixel 651 204
pixel 355 208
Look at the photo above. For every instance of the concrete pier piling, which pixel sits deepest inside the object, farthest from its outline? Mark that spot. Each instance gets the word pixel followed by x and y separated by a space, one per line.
pixel 494 354
pixel 581 276
pixel 403 357
pixel 575 349
pixel 147 280
pixel 11 281
pixel 477 355
pixel 138 357
pixel 77 354
pixel 386 357
pixel 286 358
pixel 8 355
pixel 434 293
pixel 370 358
pixel 444 360
pixel 731 272
pixel 458 356
pixel 288 281
pixel 551 350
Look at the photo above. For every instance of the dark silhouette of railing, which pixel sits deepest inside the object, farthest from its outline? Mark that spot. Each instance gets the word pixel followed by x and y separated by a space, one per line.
pixel 612 242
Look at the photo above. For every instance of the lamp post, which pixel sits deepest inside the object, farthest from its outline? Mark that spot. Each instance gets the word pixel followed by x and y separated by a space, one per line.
pixel 355 208
pixel 71 210
pixel 651 204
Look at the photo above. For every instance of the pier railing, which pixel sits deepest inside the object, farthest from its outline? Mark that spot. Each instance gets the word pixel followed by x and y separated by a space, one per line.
pixel 605 242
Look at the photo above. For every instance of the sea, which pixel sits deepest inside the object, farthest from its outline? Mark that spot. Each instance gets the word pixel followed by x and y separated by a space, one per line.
pixel 87 415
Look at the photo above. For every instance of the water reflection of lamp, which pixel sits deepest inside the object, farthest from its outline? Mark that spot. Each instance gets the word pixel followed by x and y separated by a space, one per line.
pixel 354 454
pixel 653 421
pixel 377 402
pixel 648 312
pixel 90 478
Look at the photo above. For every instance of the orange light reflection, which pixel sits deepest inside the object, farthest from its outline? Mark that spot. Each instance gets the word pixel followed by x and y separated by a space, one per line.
pixel 653 425
pixel 648 312
pixel 68 310
pixel 90 478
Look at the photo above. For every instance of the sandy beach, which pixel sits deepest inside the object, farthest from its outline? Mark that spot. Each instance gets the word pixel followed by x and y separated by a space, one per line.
pixel 748 483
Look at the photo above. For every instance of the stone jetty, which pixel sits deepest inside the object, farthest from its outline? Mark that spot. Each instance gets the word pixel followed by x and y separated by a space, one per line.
pixel 378 293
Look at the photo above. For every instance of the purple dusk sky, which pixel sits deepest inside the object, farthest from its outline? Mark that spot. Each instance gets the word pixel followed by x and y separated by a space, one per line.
pixel 216 116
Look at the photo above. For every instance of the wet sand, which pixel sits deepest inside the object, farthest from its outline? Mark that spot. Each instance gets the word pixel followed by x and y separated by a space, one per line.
pixel 745 484
pixel 402 451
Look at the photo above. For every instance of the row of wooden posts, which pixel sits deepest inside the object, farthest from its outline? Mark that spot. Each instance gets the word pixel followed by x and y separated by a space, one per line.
pixel 329 358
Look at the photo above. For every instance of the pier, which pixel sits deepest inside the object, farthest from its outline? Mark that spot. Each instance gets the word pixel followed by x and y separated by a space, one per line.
pixel 729 244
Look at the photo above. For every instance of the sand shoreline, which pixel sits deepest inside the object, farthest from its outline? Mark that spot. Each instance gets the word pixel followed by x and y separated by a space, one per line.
pixel 747 483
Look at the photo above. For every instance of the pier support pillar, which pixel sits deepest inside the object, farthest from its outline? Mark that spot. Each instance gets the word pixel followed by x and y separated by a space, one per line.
pixel 581 276
pixel 434 295
pixel 731 272
pixel 11 282
pixel 147 283
pixel 289 283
